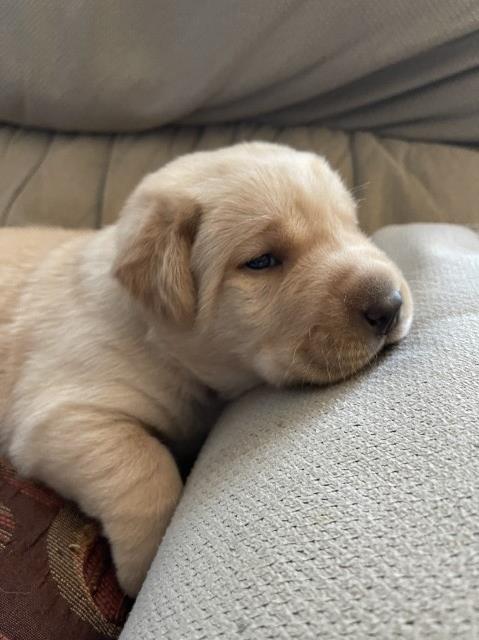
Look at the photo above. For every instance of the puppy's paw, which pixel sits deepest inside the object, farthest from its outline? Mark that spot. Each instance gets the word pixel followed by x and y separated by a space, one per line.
pixel 130 578
pixel 132 567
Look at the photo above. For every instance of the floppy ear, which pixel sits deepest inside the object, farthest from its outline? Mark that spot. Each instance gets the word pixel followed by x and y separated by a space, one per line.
pixel 153 261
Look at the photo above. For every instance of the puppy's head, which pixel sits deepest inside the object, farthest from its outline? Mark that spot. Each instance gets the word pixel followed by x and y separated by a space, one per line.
pixel 255 251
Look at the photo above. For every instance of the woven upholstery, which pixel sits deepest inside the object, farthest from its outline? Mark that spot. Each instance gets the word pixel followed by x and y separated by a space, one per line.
pixel 345 512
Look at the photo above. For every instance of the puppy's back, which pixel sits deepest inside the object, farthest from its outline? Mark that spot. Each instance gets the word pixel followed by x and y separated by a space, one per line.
pixel 21 251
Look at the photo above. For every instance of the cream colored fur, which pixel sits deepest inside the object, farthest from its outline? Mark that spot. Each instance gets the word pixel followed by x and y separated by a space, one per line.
pixel 109 339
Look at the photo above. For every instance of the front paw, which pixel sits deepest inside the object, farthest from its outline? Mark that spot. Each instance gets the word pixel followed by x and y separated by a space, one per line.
pixel 131 575
pixel 132 564
pixel 135 535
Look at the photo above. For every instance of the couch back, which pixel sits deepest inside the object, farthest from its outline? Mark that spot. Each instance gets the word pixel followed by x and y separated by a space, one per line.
pixel 397 67
pixel 83 180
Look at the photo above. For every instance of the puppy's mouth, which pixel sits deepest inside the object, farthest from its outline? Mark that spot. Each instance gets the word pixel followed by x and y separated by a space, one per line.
pixel 331 357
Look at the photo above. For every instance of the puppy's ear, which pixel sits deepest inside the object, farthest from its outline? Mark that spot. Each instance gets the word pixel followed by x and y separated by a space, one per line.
pixel 153 261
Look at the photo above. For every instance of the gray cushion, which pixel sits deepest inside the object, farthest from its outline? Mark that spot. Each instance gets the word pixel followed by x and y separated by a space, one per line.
pixel 345 512
pixel 401 67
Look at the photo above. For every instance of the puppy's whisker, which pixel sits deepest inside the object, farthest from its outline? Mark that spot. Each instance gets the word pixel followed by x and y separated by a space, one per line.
pixel 359 188
pixel 292 362
pixel 326 360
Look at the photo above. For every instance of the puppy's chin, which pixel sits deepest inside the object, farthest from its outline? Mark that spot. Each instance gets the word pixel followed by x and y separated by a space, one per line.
pixel 280 371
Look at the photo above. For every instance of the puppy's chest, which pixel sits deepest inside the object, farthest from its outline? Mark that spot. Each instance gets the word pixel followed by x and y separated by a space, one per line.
pixel 178 410
pixel 184 437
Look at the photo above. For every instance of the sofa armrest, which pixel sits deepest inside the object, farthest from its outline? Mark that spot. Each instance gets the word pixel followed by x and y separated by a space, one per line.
pixel 345 512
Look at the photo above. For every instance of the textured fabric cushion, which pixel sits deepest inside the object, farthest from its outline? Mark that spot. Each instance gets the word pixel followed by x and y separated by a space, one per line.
pixel 82 181
pixel 345 512
pixel 398 66
pixel 57 580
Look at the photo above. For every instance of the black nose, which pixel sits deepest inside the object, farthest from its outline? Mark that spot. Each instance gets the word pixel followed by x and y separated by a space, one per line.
pixel 382 315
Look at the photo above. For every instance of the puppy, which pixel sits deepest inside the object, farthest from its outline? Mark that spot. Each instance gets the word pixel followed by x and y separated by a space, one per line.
pixel 227 269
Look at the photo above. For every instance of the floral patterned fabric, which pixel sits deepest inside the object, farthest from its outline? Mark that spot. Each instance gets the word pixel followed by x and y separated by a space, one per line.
pixel 57 580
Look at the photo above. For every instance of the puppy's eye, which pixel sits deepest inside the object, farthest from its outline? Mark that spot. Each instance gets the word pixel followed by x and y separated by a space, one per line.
pixel 266 261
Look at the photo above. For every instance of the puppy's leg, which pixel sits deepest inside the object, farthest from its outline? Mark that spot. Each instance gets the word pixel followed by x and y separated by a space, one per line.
pixel 117 473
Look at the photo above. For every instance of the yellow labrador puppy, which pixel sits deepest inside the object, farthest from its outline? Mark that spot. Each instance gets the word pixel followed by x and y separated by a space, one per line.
pixel 227 269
